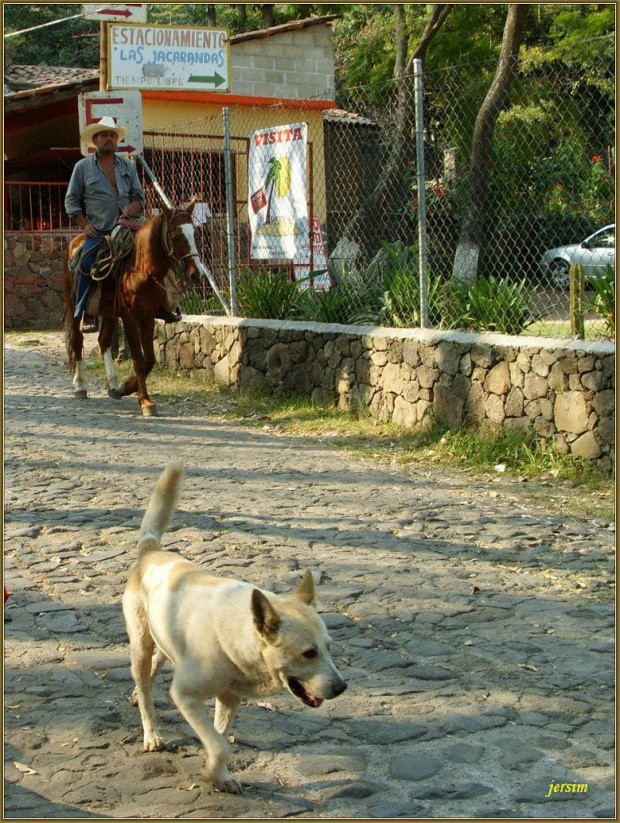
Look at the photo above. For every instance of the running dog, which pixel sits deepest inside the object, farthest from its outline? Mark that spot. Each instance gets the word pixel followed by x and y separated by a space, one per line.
pixel 225 638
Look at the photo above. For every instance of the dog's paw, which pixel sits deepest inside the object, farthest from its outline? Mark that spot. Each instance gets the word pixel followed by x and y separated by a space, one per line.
pixel 224 782
pixel 153 743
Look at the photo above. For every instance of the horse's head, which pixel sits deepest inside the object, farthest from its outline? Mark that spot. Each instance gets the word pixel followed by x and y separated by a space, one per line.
pixel 182 240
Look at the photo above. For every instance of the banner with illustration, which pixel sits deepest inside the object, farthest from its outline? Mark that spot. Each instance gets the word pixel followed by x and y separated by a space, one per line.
pixel 277 204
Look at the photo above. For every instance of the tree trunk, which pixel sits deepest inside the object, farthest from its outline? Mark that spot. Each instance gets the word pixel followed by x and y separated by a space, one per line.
pixel 266 9
pixel 211 15
pixel 368 226
pixel 467 253
pixel 243 17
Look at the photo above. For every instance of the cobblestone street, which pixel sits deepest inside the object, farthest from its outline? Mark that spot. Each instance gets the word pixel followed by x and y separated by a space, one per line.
pixel 475 630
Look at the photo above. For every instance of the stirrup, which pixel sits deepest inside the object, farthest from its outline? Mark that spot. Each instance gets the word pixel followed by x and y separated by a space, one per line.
pixel 88 324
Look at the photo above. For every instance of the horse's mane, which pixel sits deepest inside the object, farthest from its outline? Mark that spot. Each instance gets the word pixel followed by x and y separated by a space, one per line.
pixel 149 245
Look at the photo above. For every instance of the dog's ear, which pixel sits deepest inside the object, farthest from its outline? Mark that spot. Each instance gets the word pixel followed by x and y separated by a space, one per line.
pixel 266 618
pixel 305 590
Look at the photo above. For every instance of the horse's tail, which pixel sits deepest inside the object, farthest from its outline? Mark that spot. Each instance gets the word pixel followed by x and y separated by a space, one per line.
pixel 161 508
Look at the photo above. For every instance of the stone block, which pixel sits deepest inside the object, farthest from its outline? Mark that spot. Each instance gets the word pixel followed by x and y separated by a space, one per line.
pixel 607 430
pixel 570 413
pixel 475 401
pixel 586 446
pixel 494 408
pixel 447 407
pixel 514 403
pixel 534 387
pixel 498 379
pixel 405 413
pixel 447 357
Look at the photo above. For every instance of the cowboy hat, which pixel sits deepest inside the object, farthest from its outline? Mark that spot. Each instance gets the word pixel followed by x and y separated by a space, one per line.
pixel 105 124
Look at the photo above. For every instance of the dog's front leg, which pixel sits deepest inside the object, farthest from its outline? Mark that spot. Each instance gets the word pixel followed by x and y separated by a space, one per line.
pixel 217 749
pixel 226 705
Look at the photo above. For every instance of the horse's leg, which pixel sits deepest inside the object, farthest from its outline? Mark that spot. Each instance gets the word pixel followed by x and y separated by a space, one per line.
pixel 74 340
pixel 106 338
pixel 139 336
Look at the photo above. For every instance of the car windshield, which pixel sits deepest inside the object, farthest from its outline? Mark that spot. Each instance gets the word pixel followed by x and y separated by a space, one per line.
pixel 603 239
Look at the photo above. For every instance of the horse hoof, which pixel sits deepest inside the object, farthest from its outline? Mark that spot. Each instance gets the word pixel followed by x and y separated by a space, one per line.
pixel 81 394
pixel 115 394
pixel 149 411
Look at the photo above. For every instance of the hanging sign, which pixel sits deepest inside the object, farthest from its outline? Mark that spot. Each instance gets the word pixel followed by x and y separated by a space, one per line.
pixel 168 58
pixel 124 107
pixel 310 265
pixel 109 12
pixel 277 203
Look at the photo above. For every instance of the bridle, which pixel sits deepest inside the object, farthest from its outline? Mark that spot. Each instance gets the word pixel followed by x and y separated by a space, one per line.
pixel 169 245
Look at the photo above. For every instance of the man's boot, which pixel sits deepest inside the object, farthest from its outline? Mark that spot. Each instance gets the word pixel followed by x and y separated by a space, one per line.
pixel 168 316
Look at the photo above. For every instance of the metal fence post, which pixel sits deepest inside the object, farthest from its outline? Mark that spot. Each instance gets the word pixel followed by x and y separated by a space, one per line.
pixel 421 175
pixel 230 219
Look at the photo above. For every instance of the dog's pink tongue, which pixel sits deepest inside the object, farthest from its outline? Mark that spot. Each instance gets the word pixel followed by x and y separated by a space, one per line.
pixel 316 701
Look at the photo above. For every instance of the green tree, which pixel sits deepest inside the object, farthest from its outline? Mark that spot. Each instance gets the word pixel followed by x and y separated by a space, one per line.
pixel 73 42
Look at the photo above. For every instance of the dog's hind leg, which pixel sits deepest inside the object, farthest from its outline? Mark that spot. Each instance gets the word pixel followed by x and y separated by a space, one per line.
pixel 226 705
pixel 158 660
pixel 193 709
pixel 141 648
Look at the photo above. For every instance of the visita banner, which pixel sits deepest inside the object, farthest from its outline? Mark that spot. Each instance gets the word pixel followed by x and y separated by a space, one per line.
pixel 277 203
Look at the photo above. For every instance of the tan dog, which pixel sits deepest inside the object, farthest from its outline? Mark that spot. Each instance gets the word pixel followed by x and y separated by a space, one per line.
pixel 225 638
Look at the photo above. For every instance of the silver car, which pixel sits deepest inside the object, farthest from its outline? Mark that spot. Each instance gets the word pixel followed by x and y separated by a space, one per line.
pixel 597 251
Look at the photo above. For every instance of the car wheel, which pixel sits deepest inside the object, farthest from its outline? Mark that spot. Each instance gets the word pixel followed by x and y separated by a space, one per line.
pixel 559 273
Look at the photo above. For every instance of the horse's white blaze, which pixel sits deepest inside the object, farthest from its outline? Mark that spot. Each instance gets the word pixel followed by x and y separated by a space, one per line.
pixel 110 370
pixel 190 236
pixel 78 377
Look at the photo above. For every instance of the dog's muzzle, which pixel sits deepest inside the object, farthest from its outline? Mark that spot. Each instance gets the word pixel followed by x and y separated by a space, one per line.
pixel 309 699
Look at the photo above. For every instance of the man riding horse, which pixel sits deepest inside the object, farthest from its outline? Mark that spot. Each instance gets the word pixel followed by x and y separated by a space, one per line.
pixel 103 188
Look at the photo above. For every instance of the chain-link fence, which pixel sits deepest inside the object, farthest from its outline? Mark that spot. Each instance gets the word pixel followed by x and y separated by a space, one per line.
pixel 351 252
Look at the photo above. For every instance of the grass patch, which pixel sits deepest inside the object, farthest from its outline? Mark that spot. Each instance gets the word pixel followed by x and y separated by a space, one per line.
pixel 594 329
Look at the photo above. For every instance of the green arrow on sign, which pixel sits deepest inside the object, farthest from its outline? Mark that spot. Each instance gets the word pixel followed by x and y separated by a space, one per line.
pixel 216 79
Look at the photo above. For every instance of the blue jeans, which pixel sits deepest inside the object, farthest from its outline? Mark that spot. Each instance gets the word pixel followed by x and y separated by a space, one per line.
pixel 90 250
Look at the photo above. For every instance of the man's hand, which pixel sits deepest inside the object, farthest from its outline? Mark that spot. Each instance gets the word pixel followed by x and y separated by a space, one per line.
pixel 89 230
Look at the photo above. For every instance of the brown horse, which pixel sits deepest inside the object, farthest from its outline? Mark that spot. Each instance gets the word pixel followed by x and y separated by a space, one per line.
pixel 165 242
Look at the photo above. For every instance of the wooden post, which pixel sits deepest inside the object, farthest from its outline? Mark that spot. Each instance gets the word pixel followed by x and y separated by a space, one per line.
pixel 577 300
pixel 103 56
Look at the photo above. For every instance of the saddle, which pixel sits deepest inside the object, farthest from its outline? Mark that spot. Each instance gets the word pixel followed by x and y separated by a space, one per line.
pixel 115 247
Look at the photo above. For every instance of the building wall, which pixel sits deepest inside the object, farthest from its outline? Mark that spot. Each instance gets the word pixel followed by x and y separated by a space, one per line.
pixel 292 64
pixel 564 391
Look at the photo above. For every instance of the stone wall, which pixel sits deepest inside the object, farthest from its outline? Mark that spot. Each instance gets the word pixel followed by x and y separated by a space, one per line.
pixel 33 284
pixel 563 390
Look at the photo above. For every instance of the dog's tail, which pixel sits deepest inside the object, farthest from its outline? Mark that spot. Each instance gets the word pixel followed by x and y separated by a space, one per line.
pixel 161 508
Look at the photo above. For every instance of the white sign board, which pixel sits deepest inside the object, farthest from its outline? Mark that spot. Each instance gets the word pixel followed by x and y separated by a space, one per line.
pixel 168 58
pixel 124 107
pixel 277 205
pixel 110 12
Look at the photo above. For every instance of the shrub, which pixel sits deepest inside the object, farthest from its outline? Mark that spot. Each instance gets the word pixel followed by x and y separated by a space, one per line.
pixel 195 303
pixel 270 294
pixel 603 301
pixel 488 304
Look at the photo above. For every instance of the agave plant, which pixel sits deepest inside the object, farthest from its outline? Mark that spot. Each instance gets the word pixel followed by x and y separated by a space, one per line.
pixel 270 294
pixel 488 304
pixel 603 301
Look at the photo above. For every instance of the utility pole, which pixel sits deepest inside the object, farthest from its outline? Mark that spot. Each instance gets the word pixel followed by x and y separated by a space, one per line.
pixel 103 56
